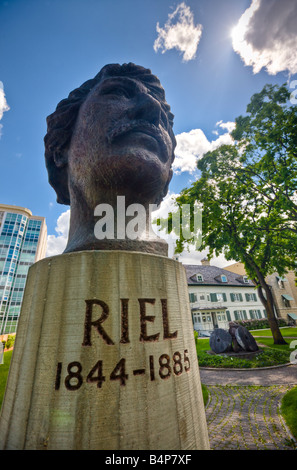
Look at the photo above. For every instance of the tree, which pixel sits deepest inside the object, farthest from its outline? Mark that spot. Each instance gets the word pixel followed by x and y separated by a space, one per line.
pixel 267 140
pixel 247 193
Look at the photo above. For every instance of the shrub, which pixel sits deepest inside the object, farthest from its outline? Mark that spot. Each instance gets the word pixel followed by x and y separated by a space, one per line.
pixel 196 335
pixel 268 357
pixel 259 324
pixel 10 341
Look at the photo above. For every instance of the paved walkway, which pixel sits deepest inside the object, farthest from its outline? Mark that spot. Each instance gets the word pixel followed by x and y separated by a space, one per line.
pixel 243 408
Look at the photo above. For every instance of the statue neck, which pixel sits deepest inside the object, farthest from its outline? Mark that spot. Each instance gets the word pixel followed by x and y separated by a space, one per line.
pixel 116 225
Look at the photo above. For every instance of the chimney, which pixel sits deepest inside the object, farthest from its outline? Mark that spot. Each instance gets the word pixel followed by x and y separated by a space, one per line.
pixel 205 262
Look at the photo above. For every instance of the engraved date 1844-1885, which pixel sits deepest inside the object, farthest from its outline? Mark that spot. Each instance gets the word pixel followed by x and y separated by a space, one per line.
pixel 167 366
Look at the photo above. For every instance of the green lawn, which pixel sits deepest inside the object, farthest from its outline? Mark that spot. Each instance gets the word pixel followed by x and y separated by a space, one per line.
pixel 289 410
pixel 286 332
pixel 4 373
pixel 270 343
pixel 265 337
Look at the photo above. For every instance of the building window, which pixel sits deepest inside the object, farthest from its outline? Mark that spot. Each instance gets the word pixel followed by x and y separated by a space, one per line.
pixel 255 314
pixel 280 281
pixel 236 297
pixel 251 297
pixel 196 317
pixel 218 297
pixel 193 298
pixel 199 278
pixel 224 278
pixel 240 315
pixel 245 279
pixel 286 300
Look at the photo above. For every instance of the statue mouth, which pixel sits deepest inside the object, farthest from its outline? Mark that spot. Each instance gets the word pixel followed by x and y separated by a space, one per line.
pixel 142 127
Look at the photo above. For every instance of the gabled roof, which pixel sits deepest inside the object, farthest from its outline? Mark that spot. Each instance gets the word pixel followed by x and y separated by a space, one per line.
pixel 212 276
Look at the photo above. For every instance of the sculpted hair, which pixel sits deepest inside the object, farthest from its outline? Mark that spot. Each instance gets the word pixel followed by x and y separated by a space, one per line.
pixel 61 122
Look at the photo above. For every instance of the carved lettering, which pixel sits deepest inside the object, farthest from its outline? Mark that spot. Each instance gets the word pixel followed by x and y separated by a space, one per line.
pixel 167 335
pixel 124 321
pixel 152 368
pixel 145 318
pixel 76 376
pixel 97 324
pixel 124 339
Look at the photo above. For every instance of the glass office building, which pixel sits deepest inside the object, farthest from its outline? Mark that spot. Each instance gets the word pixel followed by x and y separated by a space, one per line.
pixel 22 243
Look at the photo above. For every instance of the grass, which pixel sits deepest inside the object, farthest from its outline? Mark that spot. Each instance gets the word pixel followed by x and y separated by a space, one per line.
pixel 4 373
pixel 265 337
pixel 286 332
pixel 269 342
pixel 205 394
pixel 289 410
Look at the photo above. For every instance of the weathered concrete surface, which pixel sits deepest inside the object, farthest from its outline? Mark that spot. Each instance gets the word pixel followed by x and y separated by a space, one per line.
pixel 104 357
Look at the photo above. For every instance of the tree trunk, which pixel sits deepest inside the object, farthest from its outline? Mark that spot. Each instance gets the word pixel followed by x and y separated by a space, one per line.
pixel 268 303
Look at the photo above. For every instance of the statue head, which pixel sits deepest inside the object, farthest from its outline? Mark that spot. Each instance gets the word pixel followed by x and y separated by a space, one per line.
pixel 113 132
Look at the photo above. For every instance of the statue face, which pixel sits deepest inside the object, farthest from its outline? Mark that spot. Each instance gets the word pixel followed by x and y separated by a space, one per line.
pixel 121 141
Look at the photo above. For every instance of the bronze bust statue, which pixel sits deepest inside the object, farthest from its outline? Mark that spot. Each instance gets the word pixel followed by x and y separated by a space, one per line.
pixel 111 137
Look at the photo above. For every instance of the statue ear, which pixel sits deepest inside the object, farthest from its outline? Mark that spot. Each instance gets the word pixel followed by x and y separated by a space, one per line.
pixel 60 158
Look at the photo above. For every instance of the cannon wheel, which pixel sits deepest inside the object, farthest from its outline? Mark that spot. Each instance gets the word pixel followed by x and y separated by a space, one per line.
pixel 220 341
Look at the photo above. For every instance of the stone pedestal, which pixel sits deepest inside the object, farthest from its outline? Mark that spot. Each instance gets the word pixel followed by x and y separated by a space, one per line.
pixel 104 357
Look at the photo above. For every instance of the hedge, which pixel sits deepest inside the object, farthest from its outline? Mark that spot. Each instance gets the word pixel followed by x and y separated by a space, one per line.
pixel 259 324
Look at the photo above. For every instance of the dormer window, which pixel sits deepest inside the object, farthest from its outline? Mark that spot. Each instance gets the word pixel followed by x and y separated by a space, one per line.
pixel 280 281
pixel 224 278
pixel 286 300
pixel 199 278
pixel 245 279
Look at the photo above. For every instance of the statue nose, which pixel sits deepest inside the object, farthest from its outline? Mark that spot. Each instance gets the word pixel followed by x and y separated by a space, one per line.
pixel 146 108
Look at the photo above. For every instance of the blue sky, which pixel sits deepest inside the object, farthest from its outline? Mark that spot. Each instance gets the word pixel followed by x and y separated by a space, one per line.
pixel 49 47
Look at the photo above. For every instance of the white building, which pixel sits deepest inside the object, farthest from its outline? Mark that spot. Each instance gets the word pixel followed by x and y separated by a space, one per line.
pixel 218 296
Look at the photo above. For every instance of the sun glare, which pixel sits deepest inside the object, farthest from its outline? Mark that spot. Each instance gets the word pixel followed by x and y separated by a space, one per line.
pixel 235 34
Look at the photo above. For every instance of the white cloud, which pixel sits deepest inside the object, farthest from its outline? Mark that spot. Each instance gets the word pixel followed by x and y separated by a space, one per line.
pixel 3 104
pixel 191 146
pixel 56 243
pixel 194 257
pixel 230 126
pixel 179 33
pixel 266 36
pixel 166 206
